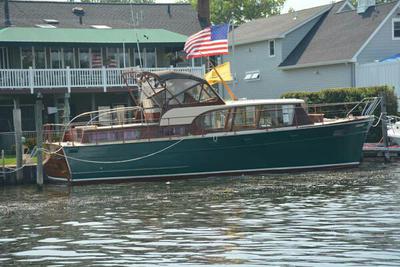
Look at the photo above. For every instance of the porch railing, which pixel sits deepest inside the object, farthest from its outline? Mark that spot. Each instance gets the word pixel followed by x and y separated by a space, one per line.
pixel 74 78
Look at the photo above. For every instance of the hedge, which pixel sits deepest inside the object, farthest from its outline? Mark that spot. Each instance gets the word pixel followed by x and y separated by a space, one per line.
pixel 343 95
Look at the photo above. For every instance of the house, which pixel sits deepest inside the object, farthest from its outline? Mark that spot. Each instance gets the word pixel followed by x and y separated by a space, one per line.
pixel 73 54
pixel 312 49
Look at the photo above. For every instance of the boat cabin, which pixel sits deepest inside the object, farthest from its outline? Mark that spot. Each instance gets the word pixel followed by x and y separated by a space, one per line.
pixel 178 104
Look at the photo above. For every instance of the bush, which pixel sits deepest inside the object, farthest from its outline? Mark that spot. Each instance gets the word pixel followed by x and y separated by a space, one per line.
pixel 344 95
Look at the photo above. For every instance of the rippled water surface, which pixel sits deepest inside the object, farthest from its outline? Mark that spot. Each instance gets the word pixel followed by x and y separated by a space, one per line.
pixel 328 218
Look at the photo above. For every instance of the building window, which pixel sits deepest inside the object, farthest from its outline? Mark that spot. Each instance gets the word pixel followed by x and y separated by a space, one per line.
pixel 124 57
pixel 112 57
pixel 150 58
pixel 252 76
pixel 55 58
pixel 3 58
pixel 139 57
pixel 27 57
pixel 84 58
pixel 40 58
pixel 97 61
pixel 396 29
pixel 69 58
pixel 271 45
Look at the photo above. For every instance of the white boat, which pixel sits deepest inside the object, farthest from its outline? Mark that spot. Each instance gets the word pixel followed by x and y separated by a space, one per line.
pixel 393 129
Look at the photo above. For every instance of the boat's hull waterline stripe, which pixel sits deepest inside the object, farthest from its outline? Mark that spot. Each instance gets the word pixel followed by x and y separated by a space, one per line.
pixel 309 148
pixel 212 173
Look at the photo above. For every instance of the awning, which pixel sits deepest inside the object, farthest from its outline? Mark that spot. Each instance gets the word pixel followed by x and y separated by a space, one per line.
pixel 89 36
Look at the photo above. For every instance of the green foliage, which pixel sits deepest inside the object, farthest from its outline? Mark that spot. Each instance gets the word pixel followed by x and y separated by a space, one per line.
pixel 240 11
pixel 344 95
pixel 120 1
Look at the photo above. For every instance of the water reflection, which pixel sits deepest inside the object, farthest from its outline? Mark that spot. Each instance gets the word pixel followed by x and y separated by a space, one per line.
pixel 340 218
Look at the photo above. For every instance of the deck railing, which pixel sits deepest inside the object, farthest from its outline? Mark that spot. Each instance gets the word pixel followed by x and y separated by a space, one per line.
pixel 74 78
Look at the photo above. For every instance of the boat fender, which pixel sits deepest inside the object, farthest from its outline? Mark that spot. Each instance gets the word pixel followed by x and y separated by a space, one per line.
pixel 215 139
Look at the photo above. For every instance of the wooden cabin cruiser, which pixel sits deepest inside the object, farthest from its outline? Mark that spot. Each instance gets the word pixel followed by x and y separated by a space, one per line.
pixel 181 127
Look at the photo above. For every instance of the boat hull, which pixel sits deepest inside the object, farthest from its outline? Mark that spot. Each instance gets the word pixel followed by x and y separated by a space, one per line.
pixel 333 145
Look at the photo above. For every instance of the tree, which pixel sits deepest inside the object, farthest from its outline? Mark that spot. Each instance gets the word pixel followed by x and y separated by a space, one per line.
pixel 120 1
pixel 240 11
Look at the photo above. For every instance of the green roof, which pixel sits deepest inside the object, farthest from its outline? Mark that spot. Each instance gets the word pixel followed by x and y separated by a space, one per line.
pixel 103 36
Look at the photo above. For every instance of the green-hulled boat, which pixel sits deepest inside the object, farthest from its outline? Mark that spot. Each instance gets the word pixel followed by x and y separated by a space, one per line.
pixel 182 128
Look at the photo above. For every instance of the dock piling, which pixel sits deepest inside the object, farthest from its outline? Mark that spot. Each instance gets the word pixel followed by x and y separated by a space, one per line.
pixel 384 127
pixel 39 140
pixel 3 164
pixel 18 139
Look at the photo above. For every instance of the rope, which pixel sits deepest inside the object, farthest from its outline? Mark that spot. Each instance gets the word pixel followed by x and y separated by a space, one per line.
pixel 112 162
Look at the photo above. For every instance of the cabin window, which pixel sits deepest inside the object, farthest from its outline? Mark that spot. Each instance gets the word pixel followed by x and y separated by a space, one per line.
pixel 244 118
pixel 252 75
pixel 214 121
pixel 69 60
pixel 271 45
pixel 396 29
pixel 40 58
pixel 272 116
pixel 27 57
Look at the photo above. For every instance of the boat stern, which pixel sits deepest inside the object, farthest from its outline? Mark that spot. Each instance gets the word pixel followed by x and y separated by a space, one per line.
pixel 56 166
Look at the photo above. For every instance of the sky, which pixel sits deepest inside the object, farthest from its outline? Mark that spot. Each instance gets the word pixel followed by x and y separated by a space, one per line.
pixel 296 4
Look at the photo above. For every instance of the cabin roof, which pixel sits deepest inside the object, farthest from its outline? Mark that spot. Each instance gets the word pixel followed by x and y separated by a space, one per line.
pixel 186 115
pixel 169 75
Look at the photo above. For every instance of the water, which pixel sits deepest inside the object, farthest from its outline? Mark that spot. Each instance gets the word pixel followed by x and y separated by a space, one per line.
pixel 328 218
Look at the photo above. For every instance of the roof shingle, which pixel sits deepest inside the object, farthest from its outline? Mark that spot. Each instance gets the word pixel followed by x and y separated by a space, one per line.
pixel 275 26
pixel 338 36
pixel 179 18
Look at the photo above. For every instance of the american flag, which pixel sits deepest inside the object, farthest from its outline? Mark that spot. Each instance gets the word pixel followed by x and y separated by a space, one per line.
pixel 211 41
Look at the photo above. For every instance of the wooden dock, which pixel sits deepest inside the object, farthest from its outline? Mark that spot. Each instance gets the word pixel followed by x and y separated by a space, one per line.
pixel 379 150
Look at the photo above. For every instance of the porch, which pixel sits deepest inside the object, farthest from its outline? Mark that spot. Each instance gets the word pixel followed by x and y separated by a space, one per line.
pixel 23 81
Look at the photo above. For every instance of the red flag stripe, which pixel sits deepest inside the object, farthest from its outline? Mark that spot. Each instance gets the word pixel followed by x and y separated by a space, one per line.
pixel 208 43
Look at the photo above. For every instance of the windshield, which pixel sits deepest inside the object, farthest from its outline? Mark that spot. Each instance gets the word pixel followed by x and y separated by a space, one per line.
pixel 176 91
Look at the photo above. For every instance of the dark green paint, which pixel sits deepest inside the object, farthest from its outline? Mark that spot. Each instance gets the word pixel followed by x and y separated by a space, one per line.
pixel 335 144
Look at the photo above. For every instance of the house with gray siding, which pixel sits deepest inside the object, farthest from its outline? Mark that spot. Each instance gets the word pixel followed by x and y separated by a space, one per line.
pixel 312 49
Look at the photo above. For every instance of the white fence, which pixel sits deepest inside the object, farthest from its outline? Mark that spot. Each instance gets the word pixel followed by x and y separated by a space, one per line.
pixel 74 78
pixel 380 73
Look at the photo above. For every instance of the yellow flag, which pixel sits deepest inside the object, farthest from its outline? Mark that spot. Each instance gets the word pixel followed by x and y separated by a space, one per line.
pixel 224 71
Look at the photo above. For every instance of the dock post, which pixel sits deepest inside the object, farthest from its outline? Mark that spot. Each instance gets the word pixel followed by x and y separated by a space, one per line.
pixel 39 139
pixel 18 139
pixel 67 111
pixel 384 127
pixel 3 164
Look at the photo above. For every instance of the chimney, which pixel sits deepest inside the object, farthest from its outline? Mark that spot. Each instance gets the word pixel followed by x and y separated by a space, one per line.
pixel 7 21
pixel 203 12
pixel 363 5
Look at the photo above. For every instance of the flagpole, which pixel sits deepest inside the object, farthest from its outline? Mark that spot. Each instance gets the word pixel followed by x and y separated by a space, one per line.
pixel 228 89
pixel 233 55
